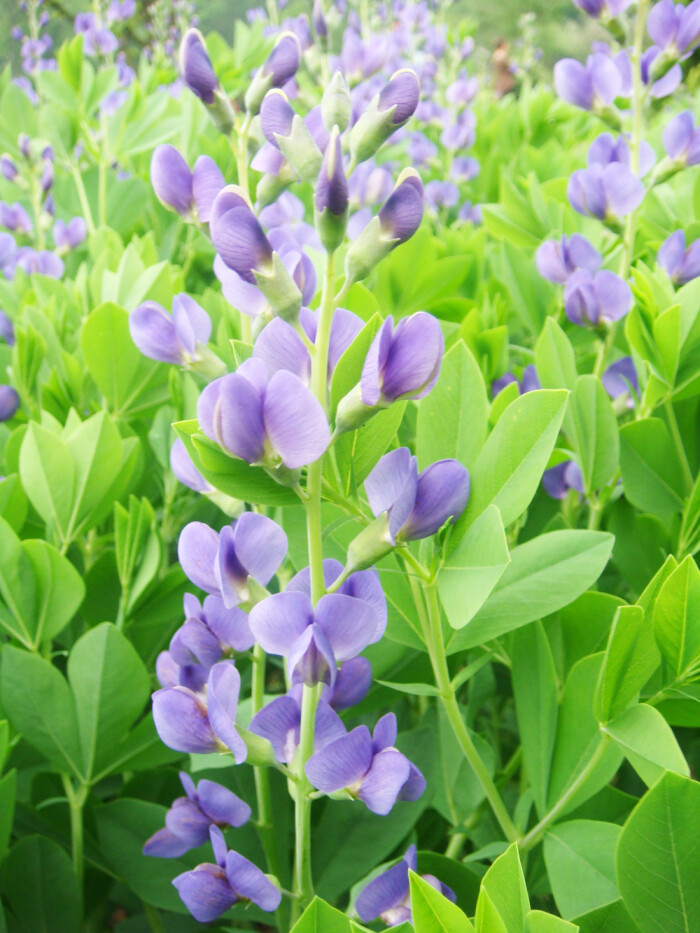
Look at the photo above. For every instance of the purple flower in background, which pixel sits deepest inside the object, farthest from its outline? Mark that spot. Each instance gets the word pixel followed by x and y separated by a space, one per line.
pixel 681 264
pixel 558 480
pixel 97 39
pixel 657 89
pixel 464 168
pixel 41 263
pixel 441 194
pixel 463 90
pixel 67 236
pixel 8 254
pixel 607 193
pixel 681 139
pixel 7 330
pixel 558 260
pixel 402 213
pixel 313 639
pixel 279 721
pixel 460 133
pixel 602 8
pixel 191 194
pixel 188 820
pixel 8 169
pixel 178 338
pixel 529 381
pixel 403 363
pixel 9 402
pixel 210 890
pixel 196 67
pixel 198 723
pixel 368 767
pixel 185 471
pixel 598 299
pixel 112 102
pixel 222 564
pixel 264 420
pixel 674 27
pixel 286 215
pixel 387 897
pixel 606 149
pixel 15 218
pixel 120 10
pixel 620 380
pixel 421 149
pixel 416 504
pixel 592 86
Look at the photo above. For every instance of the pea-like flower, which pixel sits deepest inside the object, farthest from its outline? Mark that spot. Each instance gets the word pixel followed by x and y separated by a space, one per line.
pixel 387 897
pixel 223 564
pixel 557 260
pixel 15 218
pixel 593 86
pixel 264 420
pixel 620 381
pixel 368 767
pixel 7 329
pixel 280 67
pixel 210 890
pixel 528 383
pixel 681 139
pixel 331 195
pixel 9 402
pixel 681 264
pixel 210 630
pixel 279 721
pixel 598 299
pixel 179 337
pixel 314 639
pixel 389 110
pixel 196 67
pixel 606 149
pixel 403 363
pixel 674 27
pixel 560 479
pixel 608 192
pixel 602 9
pixel 201 723
pixel 190 193
pixel 188 820
pixel 67 236
pixel 8 168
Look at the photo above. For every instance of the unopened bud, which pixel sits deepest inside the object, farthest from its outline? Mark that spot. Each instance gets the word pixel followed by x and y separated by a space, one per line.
pixel 336 105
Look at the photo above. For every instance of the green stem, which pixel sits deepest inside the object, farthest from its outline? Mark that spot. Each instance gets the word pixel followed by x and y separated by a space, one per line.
pixel 436 649
pixel 537 832
pixel 455 845
pixel 76 801
pixel 155 921
pixel 83 198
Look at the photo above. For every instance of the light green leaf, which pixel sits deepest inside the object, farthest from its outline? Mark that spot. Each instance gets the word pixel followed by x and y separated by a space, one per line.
pixel 554 358
pixel 631 657
pixel 677 620
pixel 594 432
pixel 651 473
pixel 537 921
pixel 504 883
pixel 47 471
pixel 648 742
pixel 432 912
pixel 580 860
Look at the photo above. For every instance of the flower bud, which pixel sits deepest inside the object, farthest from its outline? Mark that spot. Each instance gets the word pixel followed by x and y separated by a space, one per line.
pixel 23 143
pixel 286 131
pixel 240 241
pixel 318 20
pixel 281 65
pixel 196 67
pixel 172 180
pixel 8 169
pixel 9 402
pixel 47 176
pixel 331 197
pixel 336 105
pixel 388 111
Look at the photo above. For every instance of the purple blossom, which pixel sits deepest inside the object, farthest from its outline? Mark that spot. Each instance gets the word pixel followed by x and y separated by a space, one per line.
pixel 605 149
pixel 528 383
pixel 402 92
pixel 191 194
pixel 607 193
pixel 370 184
pixel 67 236
pixel 598 299
pixel 240 240
pixel 8 169
pixel 223 564
pixel 196 67
pixel 674 27
pixel 661 88
pixel 179 337
pixel 279 721
pixel 620 380
pixel 681 139
pixel 605 9
pixel 421 150
pixel 9 402
pixel 8 254
pixel 402 213
pixel 97 39
pixel 210 890
pixel 416 504
pixel 283 61
pixel 210 631
pixel 201 723
pixel 441 194
pixel 387 897
pixel 264 420
pixel 563 477
pixel 185 471
pixel 403 363
pixel 15 218
pixel 460 133
pixel 7 330
pixel 368 767
pixel 464 168
pixel 276 116
pixel 463 90
pixel 332 186
pixel 558 260
pixel 681 264
pixel 593 86
pixel 188 820
pixel 42 262
pixel 239 293
pixel 120 10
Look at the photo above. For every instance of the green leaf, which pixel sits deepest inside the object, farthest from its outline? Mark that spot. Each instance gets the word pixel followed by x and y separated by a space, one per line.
pixel 580 860
pixel 511 463
pixel 38 702
pixel 111 687
pixel 320 917
pixel 536 703
pixel 8 791
pixel 453 418
pixel 651 473
pixel 658 858
pixel 504 883
pixel 594 432
pixel 348 369
pixel 677 619
pixel 41 888
pixel 417 690
pixel 537 921
pixel 648 742
pixel 473 568
pixel 96 449
pixel 554 358
pixel 432 912
pixel 544 575
pixel 631 657
pixel 130 382
pixel 357 452
pixel 47 471
pixel 612 918
pixel 463 880
pixel 488 919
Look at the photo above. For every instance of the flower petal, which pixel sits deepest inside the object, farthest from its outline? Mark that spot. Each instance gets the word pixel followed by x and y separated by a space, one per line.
pixel 278 722
pixel 165 844
pixel 278 621
pixel 221 805
pixel 250 883
pixel 261 545
pixel 207 182
pixel 196 550
pixel 181 721
pixel 383 893
pixel 280 347
pixel 295 423
pixel 153 331
pixel 442 493
pixel 342 763
pixel 223 687
pixel 381 787
pixel 205 892
pixel 347 622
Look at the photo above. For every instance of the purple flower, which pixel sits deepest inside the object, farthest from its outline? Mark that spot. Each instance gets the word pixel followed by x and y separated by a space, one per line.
pixel 177 338
pixel 222 564
pixel 463 90
pixel 558 480
pixel 592 86
pixel 202 723
pixel 196 67
pixel 416 504
pixel 403 363
pixel 276 116
pixel 332 186
pixel 460 133
pixel 606 9
pixel 402 92
pixel 97 39
pixel 368 767
pixel 8 169
pixel 558 260
pixel 370 184
pixel 185 471
pixel 283 61
pixel 441 194
pixel 209 631
pixel 597 299
pixel 606 149
pixel 240 294
pixel 7 330
pixel 210 890
pixel 607 193
pixel 420 149
pixel 15 218
pixel 620 379
pixel 681 139
pixel 120 10
pixel 9 402
pixel 67 236
pixel 240 240
pixel 674 27
pixel 662 88
pixel 42 263
pixel 529 382
pixel 313 639
pixel 184 191
pixel 319 20
pixel 264 420
pixel 402 213
pixel 681 264
pixel 188 821
pixel 280 723
pixel 387 897
pixel 464 168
